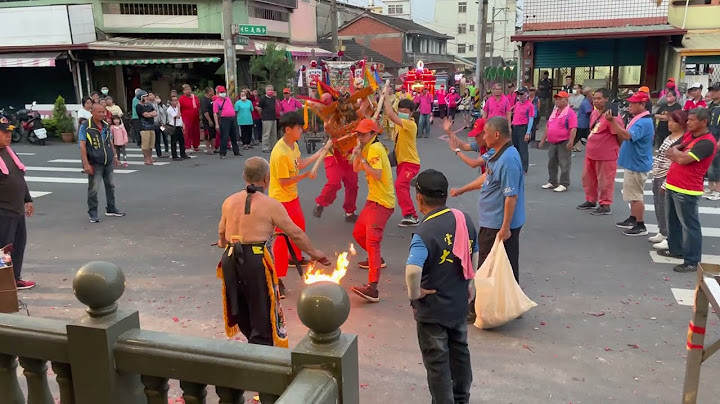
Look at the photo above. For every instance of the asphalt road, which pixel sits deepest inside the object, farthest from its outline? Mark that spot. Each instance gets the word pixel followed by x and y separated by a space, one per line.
pixel 610 325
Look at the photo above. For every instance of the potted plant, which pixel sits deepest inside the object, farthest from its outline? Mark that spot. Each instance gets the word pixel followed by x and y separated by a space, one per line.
pixel 63 122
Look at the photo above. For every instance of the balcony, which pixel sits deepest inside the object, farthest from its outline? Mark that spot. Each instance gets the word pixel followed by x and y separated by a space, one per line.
pixel 699 14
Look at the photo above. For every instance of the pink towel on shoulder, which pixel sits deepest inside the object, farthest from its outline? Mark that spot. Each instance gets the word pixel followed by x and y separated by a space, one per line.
pixel 461 244
pixel 3 166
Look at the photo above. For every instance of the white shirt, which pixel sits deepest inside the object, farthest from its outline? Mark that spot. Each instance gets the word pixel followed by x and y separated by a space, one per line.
pixel 84 113
pixel 173 119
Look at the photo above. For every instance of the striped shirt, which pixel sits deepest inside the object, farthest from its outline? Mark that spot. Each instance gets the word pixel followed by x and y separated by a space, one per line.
pixel 661 165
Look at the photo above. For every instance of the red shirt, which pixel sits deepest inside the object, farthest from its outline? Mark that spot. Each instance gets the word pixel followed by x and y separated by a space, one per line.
pixel 441 97
pixel 690 104
pixel 688 179
pixel 189 107
pixel 602 143
pixel 523 112
pixel 255 113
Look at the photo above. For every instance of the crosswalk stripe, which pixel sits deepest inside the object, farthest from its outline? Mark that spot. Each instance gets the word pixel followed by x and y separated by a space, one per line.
pixel 37 194
pixel 72 170
pixel 25 154
pixel 647 181
pixel 621 170
pixel 645 192
pixel 134 163
pixel 130 155
pixel 684 297
pixel 57 180
pixel 706 258
pixel 706 231
pixel 703 209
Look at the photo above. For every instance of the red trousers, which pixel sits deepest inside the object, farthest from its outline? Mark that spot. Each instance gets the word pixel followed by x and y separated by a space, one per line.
pixel 405 173
pixel 339 172
pixel 368 232
pixel 191 133
pixel 598 179
pixel 280 247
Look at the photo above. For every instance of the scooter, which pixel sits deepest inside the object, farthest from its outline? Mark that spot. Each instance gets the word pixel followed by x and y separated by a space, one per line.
pixel 33 128
pixel 11 115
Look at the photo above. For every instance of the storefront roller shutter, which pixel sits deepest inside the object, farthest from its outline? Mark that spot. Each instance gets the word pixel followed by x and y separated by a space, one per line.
pixel 591 52
pixel 703 60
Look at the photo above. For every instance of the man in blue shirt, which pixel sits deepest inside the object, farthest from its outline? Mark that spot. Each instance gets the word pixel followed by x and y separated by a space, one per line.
pixel 583 117
pixel 501 204
pixel 636 157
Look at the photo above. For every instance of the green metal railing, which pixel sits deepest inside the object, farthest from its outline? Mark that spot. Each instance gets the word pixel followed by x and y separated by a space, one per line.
pixel 104 357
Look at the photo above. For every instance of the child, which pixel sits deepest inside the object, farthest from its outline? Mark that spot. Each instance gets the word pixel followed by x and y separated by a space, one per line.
pixel 120 138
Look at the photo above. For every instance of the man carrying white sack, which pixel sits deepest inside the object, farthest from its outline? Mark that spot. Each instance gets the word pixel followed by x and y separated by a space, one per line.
pixel 439 272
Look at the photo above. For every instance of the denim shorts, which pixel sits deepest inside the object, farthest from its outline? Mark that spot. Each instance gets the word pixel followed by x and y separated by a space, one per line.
pixel 713 173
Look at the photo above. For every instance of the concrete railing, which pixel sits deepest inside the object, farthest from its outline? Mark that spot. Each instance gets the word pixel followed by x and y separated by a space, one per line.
pixel 104 357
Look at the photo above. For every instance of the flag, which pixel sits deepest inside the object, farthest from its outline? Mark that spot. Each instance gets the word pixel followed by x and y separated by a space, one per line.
pixel 370 79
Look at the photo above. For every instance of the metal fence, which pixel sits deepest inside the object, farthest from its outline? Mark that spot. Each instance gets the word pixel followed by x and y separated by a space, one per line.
pixel 104 357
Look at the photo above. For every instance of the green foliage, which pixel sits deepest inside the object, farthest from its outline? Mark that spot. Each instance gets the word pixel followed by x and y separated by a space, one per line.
pixel 63 121
pixel 51 127
pixel 273 67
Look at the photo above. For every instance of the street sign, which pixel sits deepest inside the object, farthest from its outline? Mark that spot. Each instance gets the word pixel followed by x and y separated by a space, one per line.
pixel 244 29
pixel 242 40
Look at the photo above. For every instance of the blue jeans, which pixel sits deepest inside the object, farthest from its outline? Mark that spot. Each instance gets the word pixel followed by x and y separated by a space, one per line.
pixel 106 174
pixel 446 358
pixel 684 233
pixel 424 125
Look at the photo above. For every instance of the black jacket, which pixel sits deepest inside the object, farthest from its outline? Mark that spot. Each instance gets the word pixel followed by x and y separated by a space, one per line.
pixel 99 151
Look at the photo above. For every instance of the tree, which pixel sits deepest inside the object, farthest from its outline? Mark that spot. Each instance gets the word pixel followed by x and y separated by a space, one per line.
pixel 273 67
pixel 62 121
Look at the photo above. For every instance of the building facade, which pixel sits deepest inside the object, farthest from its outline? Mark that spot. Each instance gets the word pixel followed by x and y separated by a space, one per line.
pixel 398 8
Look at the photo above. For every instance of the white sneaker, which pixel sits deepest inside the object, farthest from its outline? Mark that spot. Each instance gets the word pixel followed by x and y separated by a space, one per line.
pixel 714 196
pixel 560 188
pixel 548 186
pixel 663 245
pixel 658 238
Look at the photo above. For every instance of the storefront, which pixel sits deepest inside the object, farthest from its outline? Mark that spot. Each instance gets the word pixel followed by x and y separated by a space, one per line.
pixel 40 77
pixel 697 59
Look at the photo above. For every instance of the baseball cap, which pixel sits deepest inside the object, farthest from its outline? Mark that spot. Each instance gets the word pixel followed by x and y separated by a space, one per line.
pixel 522 90
pixel 639 97
pixel 140 94
pixel 286 91
pixel 221 89
pixel 714 86
pixel 478 128
pixel 431 183
pixel 645 89
pixel 562 94
pixel 695 85
pixel 671 80
pixel 5 125
pixel 368 125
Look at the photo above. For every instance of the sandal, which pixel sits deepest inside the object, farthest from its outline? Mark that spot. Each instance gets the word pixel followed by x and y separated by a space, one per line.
pixel 576 150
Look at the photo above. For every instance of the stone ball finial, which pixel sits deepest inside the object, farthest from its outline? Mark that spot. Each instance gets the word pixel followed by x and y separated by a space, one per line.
pixel 99 285
pixel 323 307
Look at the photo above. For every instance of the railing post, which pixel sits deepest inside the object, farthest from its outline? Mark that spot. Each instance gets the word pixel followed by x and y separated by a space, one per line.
pixel 323 307
pixel 9 386
pixel 91 339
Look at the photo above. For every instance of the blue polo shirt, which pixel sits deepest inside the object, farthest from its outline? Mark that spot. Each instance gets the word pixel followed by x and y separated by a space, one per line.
pixel 504 178
pixel 583 115
pixel 636 154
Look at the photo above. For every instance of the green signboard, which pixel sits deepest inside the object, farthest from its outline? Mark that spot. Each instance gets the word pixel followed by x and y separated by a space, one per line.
pixel 244 29
pixel 242 40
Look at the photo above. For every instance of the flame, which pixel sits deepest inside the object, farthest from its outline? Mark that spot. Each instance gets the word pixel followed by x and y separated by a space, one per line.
pixel 352 249
pixel 313 275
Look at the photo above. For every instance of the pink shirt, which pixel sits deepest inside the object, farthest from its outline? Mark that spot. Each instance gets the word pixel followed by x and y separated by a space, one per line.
pixel 425 102
pixel 602 144
pixel 119 134
pixel 452 99
pixel 228 110
pixel 441 94
pixel 559 125
pixel 493 107
pixel 512 98
pixel 523 112
pixel 289 105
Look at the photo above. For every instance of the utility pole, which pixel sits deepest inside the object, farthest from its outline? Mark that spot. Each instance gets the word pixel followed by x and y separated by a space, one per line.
pixel 480 61
pixel 492 34
pixel 334 25
pixel 230 57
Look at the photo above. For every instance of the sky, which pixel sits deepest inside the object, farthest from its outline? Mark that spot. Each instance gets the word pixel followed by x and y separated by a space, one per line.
pixel 422 10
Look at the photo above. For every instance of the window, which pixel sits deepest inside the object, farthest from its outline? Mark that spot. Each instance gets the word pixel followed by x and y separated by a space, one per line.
pixel 395 9
pixel 471 48
pixel 268 14
pixel 462 7
pixel 408 44
pixel 424 45
pixel 149 9
pixel 629 75
pixel 461 48
pixel 462 28
pixel 472 28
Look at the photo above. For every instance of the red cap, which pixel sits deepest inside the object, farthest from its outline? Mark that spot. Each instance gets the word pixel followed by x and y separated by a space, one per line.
pixel 639 97
pixel 562 94
pixel 368 125
pixel 478 128
pixel 220 89
pixel 286 91
pixel 671 80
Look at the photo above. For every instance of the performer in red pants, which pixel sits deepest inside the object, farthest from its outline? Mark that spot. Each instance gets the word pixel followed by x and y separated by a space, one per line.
pixel 190 113
pixel 338 171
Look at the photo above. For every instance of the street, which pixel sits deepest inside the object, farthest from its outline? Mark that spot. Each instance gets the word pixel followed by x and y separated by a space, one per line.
pixel 610 325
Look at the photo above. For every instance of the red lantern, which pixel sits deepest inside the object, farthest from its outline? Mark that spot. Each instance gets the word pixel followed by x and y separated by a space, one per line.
pixel 313 64
pixel 340 53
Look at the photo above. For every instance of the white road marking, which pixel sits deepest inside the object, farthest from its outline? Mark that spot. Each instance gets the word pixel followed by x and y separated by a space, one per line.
pixel 57 180
pixel 703 209
pixel 37 194
pixel 656 258
pixel 134 163
pixel 684 297
pixel 72 170
pixel 645 192
pixel 621 170
pixel 620 180
pixel 130 155
pixel 24 154
pixel 706 231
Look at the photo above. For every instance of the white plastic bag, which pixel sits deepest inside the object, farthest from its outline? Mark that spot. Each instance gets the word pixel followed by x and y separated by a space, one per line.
pixel 498 297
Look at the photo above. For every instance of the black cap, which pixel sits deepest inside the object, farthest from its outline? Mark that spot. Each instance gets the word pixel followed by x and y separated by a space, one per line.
pixel 714 86
pixel 522 90
pixel 431 183
pixel 5 124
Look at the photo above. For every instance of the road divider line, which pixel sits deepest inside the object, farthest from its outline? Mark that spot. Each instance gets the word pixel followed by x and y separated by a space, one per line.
pixel 37 194
pixel 705 210
pixel 133 163
pixel 72 170
pixel 706 231
pixel 706 258
pixel 24 154
pixel 57 180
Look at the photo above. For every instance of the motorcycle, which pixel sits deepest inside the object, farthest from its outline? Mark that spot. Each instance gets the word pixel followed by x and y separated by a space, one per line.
pixel 32 126
pixel 11 115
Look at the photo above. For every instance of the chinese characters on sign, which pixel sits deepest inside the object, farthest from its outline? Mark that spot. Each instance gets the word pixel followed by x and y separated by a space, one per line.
pixel 313 76
pixel 252 29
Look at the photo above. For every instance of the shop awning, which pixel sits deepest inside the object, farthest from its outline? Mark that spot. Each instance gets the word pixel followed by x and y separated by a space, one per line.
pixel 28 59
pixel 163 61
pixel 701 47
pixel 630 31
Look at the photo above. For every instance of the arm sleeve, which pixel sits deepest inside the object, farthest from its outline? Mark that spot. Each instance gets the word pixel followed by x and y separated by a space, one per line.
pixel 474 146
pixel 82 133
pixel 413 269
pixel 374 157
pixel 510 179
pixel 702 149
pixel 28 198
pixel 531 120
pixel 418 252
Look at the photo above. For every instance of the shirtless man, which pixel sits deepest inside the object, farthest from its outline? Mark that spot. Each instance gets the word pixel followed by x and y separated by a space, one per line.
pixel 250 285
